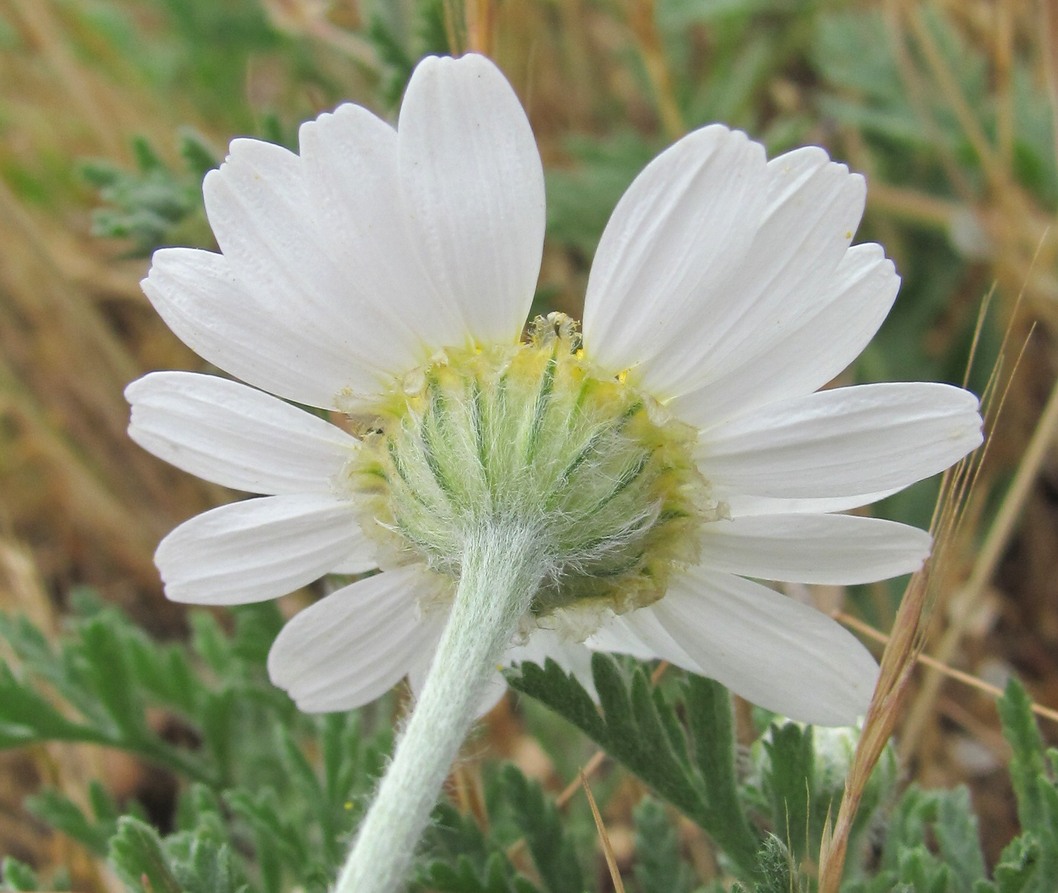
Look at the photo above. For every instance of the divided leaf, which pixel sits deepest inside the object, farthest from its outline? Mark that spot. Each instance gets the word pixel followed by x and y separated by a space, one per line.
pixel 641 728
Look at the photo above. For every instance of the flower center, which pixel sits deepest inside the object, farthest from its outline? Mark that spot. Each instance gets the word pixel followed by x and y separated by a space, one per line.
pixel 531 435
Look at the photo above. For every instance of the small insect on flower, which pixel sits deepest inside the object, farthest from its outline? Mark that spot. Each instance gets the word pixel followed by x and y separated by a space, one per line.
pixel 659 461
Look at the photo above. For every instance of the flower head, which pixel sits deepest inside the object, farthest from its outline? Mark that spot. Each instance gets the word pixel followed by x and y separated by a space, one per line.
pixel 663 458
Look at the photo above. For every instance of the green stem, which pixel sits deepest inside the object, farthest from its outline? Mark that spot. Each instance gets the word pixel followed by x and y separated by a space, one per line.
pixel 501 570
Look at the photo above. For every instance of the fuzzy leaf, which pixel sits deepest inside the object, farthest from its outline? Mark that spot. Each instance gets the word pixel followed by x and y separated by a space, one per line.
pixel 658 863
pixel 56 809
pixel 27 717
pixel 271 823
pixel 560 691
pixel 789 781
pixel 205 865
pixel 922 872
pixel 138 857
pixel 463 877
pixel 776 870
pixel 637 726
pixel 539 822
pixel 461 859
pixel 958 838
pixel 104 656
pixel 1027 763
pixel 712 727
pixel 907 827
pixel 1017 871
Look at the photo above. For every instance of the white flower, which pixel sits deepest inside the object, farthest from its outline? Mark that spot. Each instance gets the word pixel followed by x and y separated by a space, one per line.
pixel 724 293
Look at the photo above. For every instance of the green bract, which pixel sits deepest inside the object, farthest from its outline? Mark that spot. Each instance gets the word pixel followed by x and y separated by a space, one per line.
pixel 532 436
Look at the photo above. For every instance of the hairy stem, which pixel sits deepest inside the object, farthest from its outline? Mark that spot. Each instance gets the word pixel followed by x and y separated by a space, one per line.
pixel 501 569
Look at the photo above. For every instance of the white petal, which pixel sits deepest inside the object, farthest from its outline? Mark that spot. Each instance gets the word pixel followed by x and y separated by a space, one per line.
pixel 802 344
pixel 495 689
pixel 355 644
pixel 742 505
pixel 235 436
pixel 474 187
pixel 677 237
pixel 541 645
pixel 831 549
pixel 641 635
pixel 420 663
pixel 269 230
pixel 357 562
pixel 544 644
pixel 842 442
pixel 210 310
pixel 256 549
pixel 812 208
pixel 775 652
pixel 351 174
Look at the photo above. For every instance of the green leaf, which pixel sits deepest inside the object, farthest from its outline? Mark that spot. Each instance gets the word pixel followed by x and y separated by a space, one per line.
pixel 138 857
pixel 452 834
pixel 637 736
pixel 658 865
pixel 197 153
pixel 1028 763
pixel 163 671
pixel 27 717
pixel 216 714
pixel 105 663
pixel 463 877
pixel 907 827
pixel 776 868
pixel 1017 869
pixel 148 204
pixel 958 838
pixel 580 200
pixel 341 745
pixel 642 729
pixel 711 721
pixel 61 813
pixel 560 691
pixel 28 643
pixel 462 859
pixel 15 875
pixel 539 822
pixel 922 872
pixel 789 779
pixel 196 806
pixel 207 866
pixel 210 643
pixel 256 628
pixel 299 771
pixel 397 63
pixel 272 825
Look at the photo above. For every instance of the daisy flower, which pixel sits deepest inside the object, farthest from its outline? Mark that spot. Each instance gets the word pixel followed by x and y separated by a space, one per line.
pixel 621 486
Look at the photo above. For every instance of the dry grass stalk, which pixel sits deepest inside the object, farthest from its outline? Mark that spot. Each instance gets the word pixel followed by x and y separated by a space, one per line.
pixel 943 669
pixel 898 663
pixel 643 21
pixel 604 838
pixel 906 642
pixel 968 599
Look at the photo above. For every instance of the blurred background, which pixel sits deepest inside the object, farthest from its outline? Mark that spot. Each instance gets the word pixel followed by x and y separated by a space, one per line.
pixel 112 110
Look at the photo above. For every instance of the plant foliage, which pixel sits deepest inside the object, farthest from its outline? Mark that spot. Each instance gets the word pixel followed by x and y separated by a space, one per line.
pixel 266 813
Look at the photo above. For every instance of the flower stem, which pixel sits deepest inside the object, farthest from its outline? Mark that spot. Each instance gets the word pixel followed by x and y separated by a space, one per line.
pixel 500 572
